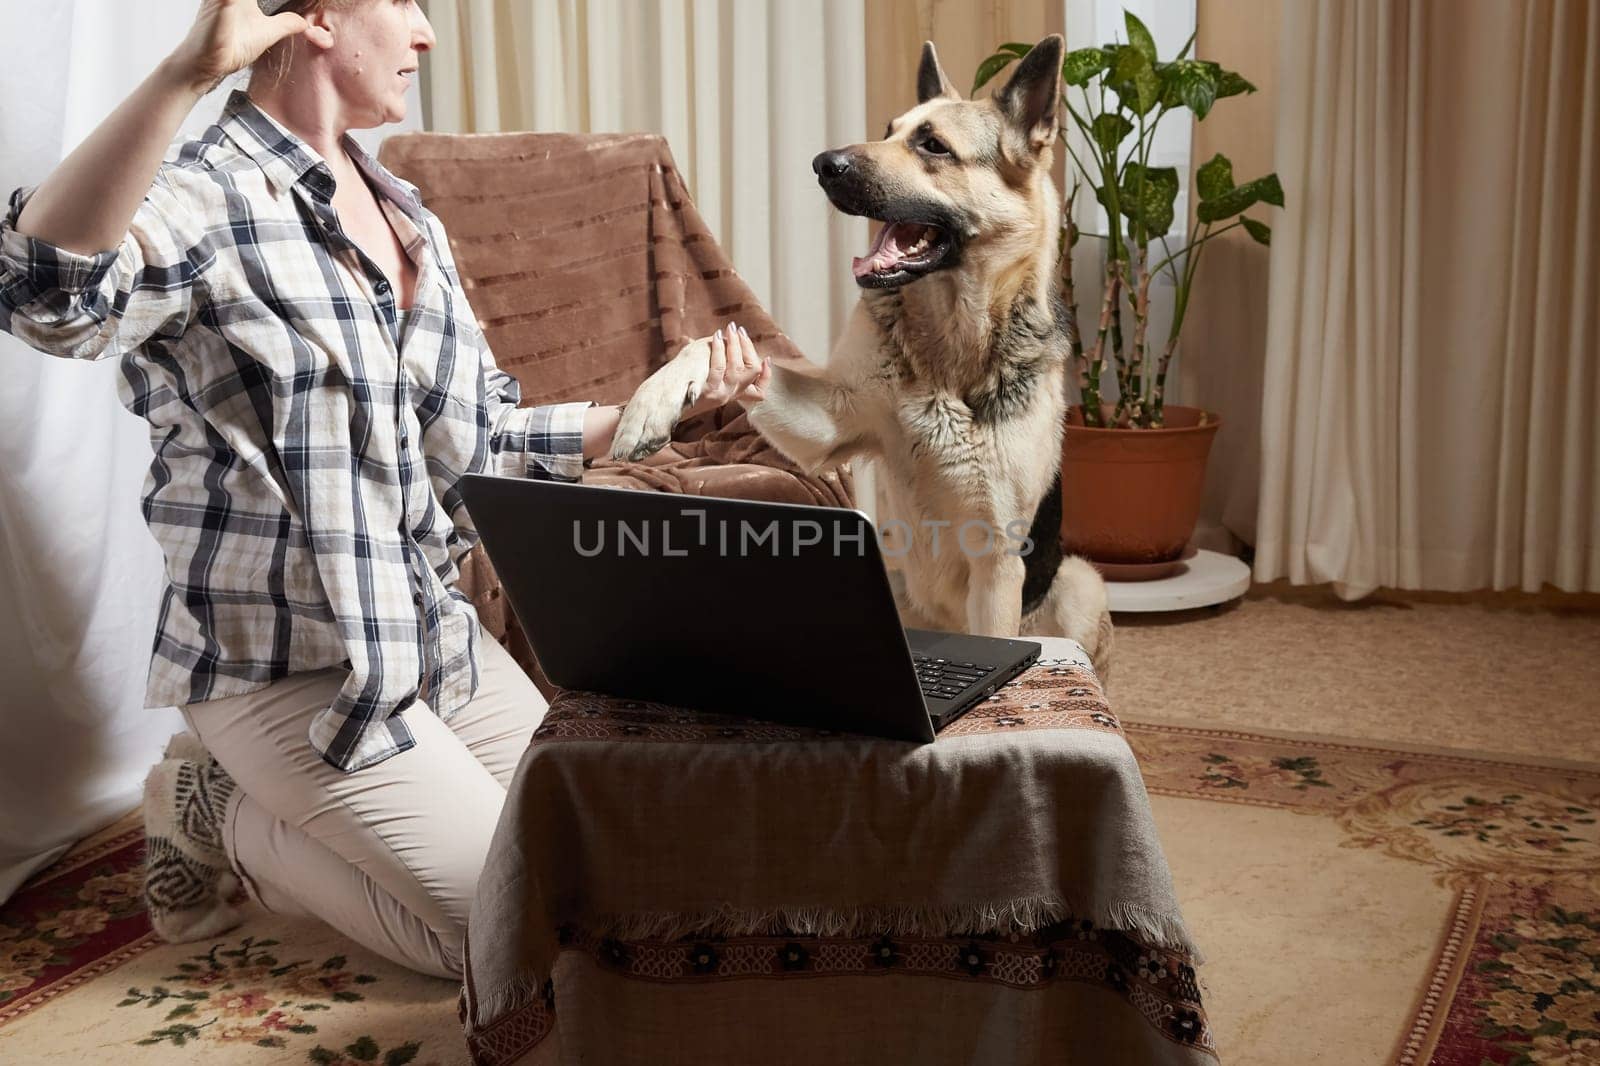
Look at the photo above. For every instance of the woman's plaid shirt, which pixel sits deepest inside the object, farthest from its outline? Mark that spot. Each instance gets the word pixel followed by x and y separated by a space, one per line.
pixel 307 453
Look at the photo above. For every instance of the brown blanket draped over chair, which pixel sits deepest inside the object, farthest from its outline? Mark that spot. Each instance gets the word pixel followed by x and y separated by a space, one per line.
pixel 588 266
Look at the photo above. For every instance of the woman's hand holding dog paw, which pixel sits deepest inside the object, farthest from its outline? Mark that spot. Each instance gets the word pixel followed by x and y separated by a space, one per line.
pixel 702 377
pixel 737 372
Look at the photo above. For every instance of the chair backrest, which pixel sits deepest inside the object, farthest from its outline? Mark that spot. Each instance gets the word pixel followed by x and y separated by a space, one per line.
pixel 583 256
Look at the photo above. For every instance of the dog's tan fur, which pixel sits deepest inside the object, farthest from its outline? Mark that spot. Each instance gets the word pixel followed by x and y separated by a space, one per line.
pixel 954 382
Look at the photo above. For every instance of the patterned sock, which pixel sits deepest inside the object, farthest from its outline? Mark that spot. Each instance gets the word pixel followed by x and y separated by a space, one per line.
pixel 187 746
pixel 185 860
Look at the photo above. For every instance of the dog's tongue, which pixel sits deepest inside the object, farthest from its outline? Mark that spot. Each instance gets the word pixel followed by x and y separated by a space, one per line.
pixel 887 249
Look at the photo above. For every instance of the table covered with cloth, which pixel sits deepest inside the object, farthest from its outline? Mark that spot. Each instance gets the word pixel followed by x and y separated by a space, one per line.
pixel 669 886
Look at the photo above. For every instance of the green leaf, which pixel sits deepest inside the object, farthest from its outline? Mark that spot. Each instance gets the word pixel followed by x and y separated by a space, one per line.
pixel 989 68
pixel 1152 211
pixel 1183 53
pixel 1083 64
pixel 1139 36
pixel 1262 233
pixel 1017 48
pixel 1214 177
pixel 1190 84
pixel 1109 130
pixel 335 963
pixel 1148 88
pixel 1241 198
pixel 1133 78
pixel 322 1056
pixel 1231 84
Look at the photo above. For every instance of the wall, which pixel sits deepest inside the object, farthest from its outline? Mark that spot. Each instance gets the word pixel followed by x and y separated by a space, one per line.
pixel 964 33
pixel 1220 358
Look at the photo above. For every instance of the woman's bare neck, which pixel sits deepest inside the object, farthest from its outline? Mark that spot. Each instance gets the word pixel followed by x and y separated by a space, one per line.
pixel 309 111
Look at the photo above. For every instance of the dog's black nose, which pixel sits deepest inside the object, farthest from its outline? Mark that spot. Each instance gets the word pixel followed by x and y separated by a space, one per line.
pixel 830 165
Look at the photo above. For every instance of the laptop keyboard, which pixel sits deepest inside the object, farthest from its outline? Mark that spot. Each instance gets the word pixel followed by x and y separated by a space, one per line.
pixel 945 679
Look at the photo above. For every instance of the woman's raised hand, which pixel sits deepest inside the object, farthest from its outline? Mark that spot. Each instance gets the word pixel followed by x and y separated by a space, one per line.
pixel 229 35
pixel 738 372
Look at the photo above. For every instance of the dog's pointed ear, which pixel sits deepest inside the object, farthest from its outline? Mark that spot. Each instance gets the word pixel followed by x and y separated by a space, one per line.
pixel 931 81
pixel 1031 99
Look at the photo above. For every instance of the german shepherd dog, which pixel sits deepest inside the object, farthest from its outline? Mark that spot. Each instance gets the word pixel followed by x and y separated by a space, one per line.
pixel 951 371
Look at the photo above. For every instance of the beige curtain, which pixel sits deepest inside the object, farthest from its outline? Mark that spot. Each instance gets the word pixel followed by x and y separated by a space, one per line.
pixel 1431 384
pixel 745 91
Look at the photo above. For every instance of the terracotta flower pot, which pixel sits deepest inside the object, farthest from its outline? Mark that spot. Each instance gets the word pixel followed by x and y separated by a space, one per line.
pixel 1130 497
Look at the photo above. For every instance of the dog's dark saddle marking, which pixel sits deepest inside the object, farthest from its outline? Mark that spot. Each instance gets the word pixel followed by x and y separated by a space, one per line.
pixel 1039 566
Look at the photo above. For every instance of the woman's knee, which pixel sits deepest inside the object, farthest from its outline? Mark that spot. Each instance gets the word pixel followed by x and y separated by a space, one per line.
pixel 447 953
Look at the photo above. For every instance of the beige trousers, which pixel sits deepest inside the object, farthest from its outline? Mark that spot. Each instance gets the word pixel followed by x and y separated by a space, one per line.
pixel 389 855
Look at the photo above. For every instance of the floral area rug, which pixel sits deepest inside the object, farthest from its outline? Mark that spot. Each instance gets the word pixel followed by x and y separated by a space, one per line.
pixel 1358 905
pixel 83 979
pixel 1493 865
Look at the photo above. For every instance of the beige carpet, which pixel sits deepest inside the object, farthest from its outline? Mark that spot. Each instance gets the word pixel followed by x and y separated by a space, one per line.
pixel 1360 903
pixel 1514 675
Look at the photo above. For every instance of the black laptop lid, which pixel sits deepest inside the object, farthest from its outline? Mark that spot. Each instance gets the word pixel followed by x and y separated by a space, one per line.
pixel 777 610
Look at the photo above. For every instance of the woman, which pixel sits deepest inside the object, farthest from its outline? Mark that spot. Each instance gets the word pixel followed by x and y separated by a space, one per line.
pixel 290 322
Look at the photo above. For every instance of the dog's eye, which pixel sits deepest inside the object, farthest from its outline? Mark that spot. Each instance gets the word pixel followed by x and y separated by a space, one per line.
pixel 935 146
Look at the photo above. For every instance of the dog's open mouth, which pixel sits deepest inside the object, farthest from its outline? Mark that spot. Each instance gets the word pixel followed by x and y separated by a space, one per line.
pixel 901 252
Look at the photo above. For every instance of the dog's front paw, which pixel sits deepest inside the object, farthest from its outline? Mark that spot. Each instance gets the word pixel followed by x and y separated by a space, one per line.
pixel 649 417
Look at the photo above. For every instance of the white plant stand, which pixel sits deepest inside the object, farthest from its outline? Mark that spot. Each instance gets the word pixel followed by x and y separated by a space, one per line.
pixel 1206 579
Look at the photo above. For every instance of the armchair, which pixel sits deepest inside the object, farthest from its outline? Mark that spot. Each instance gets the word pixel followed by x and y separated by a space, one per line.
pixel 588 266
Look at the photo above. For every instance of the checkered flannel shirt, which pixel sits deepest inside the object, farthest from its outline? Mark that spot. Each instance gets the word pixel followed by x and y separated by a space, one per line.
pixel 307 450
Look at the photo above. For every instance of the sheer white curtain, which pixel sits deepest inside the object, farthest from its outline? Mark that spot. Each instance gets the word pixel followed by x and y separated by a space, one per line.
pixel 1432 382
pixel 745 93
pixel 80 576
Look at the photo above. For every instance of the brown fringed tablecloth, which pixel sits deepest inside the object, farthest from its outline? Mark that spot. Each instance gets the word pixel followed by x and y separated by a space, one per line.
pixel 671 887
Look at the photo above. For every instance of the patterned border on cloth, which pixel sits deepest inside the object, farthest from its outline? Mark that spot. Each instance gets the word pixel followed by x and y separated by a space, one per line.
pixel 1159 984
pixel 515 1034
pixel 1051 694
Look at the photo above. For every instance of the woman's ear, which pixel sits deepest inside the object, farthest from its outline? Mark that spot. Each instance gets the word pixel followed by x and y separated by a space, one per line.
pixel 319 32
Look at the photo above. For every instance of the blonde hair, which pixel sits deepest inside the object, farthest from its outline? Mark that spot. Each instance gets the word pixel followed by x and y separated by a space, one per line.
pixel 274 62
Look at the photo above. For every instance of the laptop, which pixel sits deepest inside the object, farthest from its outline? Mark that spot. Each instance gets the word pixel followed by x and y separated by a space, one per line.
pixel 776 611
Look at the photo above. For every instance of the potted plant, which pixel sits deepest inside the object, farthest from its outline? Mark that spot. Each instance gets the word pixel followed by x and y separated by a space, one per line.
pixel 1135 464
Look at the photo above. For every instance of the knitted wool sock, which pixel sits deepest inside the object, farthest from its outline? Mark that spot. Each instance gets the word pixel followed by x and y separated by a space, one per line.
pixel 187 879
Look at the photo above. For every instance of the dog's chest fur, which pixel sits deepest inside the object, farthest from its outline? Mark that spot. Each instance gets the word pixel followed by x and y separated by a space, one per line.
pixel 956 393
